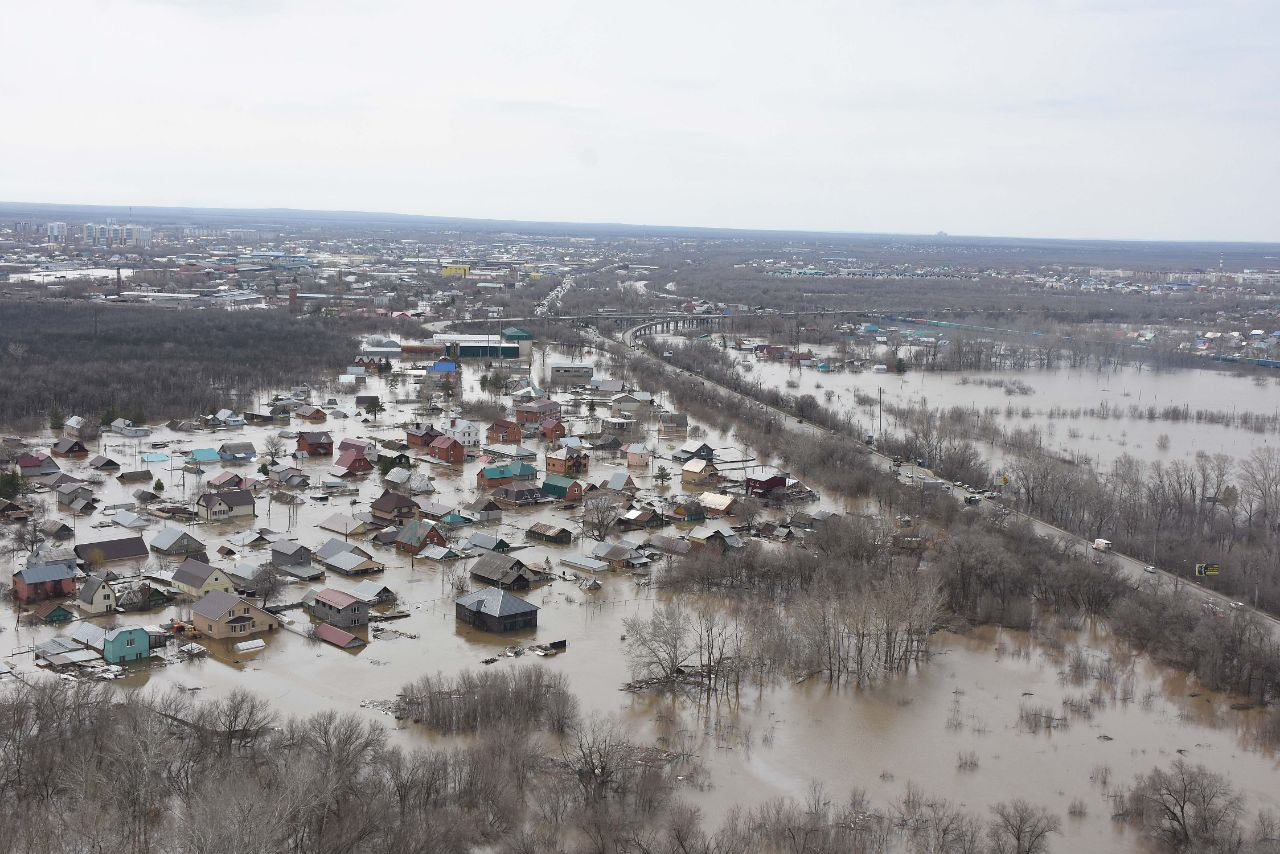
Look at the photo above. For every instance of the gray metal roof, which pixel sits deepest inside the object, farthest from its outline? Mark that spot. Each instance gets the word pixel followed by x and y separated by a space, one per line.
pixel 90 588
pixel 167 538
pixel 193 573
pixel 37 573
pixel 215 605
pixel 496 603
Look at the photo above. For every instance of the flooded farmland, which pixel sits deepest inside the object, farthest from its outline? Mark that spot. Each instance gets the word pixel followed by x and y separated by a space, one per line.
pixel 1077 412
pixel 953 725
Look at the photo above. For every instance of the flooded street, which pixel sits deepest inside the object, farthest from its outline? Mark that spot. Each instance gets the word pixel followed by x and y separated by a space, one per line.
pixel 1129 714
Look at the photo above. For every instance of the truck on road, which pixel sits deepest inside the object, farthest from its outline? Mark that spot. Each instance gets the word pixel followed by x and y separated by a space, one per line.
pixel 1102 545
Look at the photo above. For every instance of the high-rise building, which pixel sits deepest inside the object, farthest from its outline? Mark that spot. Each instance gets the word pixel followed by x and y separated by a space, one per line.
pixel 56 232
pixel 23 230
pixel 135 236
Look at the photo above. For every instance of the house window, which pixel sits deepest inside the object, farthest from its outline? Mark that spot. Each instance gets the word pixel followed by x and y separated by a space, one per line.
pixel 130 642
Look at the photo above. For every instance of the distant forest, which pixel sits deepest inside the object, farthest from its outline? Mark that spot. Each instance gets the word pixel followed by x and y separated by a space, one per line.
pixel 144 363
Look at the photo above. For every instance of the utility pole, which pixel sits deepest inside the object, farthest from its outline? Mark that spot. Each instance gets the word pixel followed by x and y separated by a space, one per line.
pixel 882 410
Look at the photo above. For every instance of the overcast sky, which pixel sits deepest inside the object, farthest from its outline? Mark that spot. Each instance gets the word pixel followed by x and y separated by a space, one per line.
pixel 1127 119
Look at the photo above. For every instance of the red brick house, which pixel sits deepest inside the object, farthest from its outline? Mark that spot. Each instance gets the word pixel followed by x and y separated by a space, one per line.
pixel 552 430
pixel 52 576
pixel 503 432
pixel 416 535
pixel 537 411
pixel 420 435
pixel 316 443
pixel 567 461
pixel 70 448
pixel 351 463
pixel 447 450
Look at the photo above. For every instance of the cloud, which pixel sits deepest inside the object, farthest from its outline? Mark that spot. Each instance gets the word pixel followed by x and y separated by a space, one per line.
pixel 1066 117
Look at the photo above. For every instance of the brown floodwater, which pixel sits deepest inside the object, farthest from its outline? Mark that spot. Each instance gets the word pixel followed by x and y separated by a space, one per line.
pixel 767 742
pixel 1102 439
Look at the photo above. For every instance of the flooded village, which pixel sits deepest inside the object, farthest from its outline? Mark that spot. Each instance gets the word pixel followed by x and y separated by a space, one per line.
pixel 474 502
pixel 544 556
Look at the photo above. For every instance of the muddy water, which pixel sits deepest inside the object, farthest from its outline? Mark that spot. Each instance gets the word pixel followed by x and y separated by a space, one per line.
pixel 770 741
pixel 1101 438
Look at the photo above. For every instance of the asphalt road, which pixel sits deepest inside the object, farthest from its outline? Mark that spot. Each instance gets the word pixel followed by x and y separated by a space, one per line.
pixel 1133 569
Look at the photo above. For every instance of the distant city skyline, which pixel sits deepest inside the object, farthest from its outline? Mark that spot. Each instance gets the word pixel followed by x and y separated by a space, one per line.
pixel 1128 120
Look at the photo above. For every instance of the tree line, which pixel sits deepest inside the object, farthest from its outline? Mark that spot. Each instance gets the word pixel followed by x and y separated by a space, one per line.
pixel 93 358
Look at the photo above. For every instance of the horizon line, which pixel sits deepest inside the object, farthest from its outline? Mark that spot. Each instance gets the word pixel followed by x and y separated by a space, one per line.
pixel 942 234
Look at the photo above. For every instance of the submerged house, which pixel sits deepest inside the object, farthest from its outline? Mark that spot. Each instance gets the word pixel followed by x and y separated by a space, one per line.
pixel 36 464
pixel 69 448
pixel 96 596
pixel 47 575
pixel 564 488
pixel 340 608
pixel 237 452
pixel 197 578
pixel 111 551
pixel 221 615
pixel 226 505
pixel 496 611
pixel 567 461
pixel 548 533
pixel 447 449
pixel 76 498
pixel 315 443
pixel 503 571
pixel 698 470
pixel 173 541
pixel 392 508
pixel 104 464
pixel 416 534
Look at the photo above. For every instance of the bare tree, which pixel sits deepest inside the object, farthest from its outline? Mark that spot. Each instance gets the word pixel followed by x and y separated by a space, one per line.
pixel 597 755
pixel 268 583
pixel 1018 827
pixel 748 509
pixel 1189 807
pixel 658 647
pixel 599 513
pixel 26 535
pixel 273 447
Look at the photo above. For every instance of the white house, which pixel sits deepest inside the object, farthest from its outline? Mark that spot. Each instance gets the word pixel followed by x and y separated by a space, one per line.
pixel 229 419
pixel 96 596
pixel 125 427
pixel 464 432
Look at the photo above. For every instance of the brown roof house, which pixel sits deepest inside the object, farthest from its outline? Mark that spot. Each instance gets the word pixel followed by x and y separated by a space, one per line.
pixel 537 411
pixel 392 508
pixel 503 571
pixel 503 432
pixel 222 615
pixel 316 443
